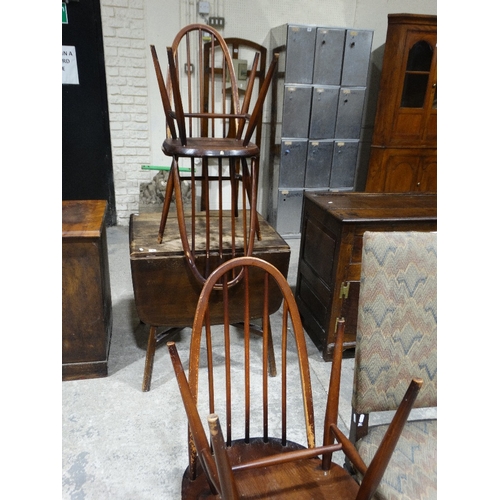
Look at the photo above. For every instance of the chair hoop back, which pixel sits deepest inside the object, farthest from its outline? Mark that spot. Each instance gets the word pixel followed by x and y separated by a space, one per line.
pixel 258 275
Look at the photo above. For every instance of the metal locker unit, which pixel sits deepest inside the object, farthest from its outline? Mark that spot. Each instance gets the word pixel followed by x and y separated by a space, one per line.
pixel 344 159
pixel 317 105
pixel 292 163
pixel 358 43
pixel 328 56
pixel 319 154
pixel 289 210
pixel 323 112
pixel 296 110
pixel 350 113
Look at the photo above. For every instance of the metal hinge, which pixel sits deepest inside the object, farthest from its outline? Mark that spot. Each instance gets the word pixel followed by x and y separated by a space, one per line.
pixel 336 326
pixel 344 290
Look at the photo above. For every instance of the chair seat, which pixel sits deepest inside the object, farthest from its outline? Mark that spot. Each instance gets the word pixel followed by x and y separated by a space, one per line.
pixel 412 470
pixel 210 147
pixel 299 480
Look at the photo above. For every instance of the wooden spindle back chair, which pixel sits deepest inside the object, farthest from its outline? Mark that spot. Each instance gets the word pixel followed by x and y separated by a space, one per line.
pixel 208 129
pixel 252 461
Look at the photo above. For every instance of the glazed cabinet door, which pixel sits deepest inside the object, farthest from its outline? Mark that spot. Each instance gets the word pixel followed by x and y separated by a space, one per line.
pixel 415 117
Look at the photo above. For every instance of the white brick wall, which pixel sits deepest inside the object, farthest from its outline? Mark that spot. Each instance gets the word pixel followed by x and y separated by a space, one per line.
pixel 125 51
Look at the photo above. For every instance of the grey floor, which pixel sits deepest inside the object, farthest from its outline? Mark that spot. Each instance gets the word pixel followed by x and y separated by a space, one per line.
pixel 121 443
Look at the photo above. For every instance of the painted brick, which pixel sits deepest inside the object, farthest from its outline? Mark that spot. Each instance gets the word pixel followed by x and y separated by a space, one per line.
pixel 125 52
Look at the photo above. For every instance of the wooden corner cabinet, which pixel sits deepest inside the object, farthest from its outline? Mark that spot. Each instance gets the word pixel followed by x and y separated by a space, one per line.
pixel 403 154
pixel 86 292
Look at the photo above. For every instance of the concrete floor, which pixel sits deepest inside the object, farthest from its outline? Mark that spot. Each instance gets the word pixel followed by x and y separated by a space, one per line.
pixel 121 443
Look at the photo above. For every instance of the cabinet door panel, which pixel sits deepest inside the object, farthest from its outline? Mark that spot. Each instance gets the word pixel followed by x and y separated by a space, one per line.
pixel 402 172
pixel 409 124
pixel 428 174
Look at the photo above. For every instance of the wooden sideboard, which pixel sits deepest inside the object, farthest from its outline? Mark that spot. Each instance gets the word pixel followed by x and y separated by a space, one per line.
pixel 330 253
pixel 86 291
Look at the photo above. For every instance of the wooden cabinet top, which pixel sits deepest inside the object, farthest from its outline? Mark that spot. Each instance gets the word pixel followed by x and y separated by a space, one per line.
pixel 83 218
pixel 373 207
pixel 425 19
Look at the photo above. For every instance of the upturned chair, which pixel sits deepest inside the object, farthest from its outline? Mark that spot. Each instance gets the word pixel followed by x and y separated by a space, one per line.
pixel 252 463
pixel 397 338
pixel 207 127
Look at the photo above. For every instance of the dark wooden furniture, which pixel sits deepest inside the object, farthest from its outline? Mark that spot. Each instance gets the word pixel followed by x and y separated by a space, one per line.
pixel 404 144
pixel 86 292
pixel 166 291
pixel 330 253
pixel 207 125
pixel 262 466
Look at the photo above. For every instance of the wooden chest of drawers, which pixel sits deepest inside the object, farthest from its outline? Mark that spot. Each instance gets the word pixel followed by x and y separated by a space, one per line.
pixel 86 292
pixel 330 253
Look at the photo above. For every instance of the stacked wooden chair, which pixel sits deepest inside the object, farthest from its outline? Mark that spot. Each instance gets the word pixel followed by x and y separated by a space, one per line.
pixel 209 128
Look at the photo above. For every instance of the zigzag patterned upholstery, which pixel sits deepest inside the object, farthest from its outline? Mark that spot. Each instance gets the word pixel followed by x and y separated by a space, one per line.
pixel 397 340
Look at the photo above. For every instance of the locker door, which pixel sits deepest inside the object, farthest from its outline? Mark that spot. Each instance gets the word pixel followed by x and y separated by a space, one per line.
pixel 296 110
pixel 319 161
pixel 289 211
pixel 328 56
pixel 300 54
pixel 323 112
pixel 345 157
pixel 293 163
pixel 350 113
pixel 358 46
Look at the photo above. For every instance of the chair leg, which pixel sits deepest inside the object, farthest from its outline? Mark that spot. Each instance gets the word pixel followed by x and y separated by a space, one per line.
pixel 248 189
pixel 169 189
pixel 150 356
